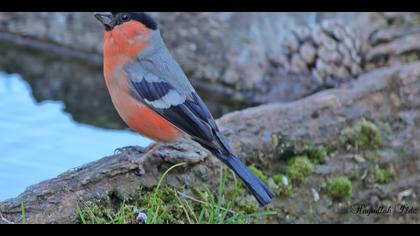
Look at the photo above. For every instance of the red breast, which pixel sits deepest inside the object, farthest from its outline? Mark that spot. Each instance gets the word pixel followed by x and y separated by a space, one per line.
pixel 121 46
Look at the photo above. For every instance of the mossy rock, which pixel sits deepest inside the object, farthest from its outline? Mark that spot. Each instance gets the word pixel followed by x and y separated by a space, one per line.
pixel 339 188
pixel 317 154
pixel 166 205
pixel 103 212
pixel 382 176
pixel 299 168
pixel 362 135
pixel 284 187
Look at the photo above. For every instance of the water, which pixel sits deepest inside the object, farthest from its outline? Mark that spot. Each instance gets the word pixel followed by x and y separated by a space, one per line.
pixel 39 140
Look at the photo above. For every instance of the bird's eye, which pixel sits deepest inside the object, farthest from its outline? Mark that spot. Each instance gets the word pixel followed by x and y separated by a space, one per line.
pixel 125 17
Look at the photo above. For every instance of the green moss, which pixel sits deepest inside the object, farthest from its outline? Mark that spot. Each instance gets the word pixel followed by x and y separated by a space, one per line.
pixel 259 174
pixel 168 205
pixel 317 155
pixel 278 179
pixel 284 189
pixel 170 211
pixel 298 169
pixel 372 155
pixel 382 176
pixel 168 208
pixel 101 212
pixel 362 135
pixel 339 188
pixel 247 208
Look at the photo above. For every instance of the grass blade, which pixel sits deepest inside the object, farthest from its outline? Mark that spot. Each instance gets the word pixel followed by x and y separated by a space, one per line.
pixel 152 209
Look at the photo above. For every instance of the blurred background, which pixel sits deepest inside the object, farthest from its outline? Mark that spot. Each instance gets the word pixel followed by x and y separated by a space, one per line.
pixel 56 113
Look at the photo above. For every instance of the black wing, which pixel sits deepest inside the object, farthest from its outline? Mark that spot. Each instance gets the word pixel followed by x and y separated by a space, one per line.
pixel 188 113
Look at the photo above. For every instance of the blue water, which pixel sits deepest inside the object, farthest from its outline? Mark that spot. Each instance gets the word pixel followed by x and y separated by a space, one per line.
pixel 38 141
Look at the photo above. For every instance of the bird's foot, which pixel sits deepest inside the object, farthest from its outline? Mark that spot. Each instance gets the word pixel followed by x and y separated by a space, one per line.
pixel 128 149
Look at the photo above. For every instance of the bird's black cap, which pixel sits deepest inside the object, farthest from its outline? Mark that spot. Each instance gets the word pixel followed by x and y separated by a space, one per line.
pixel 112 19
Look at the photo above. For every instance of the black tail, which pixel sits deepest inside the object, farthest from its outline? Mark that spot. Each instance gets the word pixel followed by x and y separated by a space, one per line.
pixel 262 192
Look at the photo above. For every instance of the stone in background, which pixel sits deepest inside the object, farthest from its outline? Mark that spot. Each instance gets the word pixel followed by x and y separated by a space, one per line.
pixel 237 52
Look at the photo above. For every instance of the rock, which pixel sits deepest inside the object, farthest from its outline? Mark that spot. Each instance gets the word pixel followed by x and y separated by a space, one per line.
pixel 404 194
pixel 315 194
pixel 308 52
pixel 327 51
pixel 387 35
pixel 395 51
pixel 141 217
pixel 75 30
pixel 359 158
pixel 398 17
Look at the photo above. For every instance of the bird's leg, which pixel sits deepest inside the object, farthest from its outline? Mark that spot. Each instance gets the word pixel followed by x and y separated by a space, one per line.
pixel 152 149
pixel 130 153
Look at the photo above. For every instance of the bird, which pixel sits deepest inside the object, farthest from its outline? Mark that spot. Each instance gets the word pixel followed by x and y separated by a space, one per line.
pixel 154 97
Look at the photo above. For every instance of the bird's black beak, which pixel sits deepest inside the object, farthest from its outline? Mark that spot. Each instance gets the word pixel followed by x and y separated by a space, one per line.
pixel 106 18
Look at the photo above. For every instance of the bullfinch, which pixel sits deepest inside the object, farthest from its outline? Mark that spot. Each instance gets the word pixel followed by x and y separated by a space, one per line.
pixel 154 97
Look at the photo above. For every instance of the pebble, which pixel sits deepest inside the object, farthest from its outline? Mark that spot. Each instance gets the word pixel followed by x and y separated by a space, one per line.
pixel 315 194
pixel 141 217
pixel 404 194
